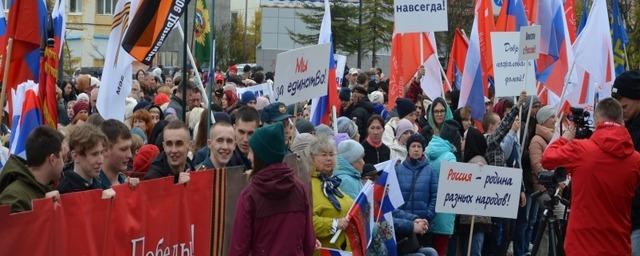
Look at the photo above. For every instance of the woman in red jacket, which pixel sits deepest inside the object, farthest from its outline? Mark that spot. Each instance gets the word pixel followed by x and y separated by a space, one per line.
pixel 273 214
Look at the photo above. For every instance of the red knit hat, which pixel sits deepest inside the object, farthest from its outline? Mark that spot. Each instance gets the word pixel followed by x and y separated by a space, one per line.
pixel 79 106
pixel 160 99
pixel 145 156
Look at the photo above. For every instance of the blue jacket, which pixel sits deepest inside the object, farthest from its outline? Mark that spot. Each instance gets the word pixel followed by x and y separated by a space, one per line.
pixel 403 223
pixel 351 178
pixel 440 150
pixel 423 200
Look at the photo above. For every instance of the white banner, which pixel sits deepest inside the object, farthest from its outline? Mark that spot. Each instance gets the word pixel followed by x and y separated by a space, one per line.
pixel 482 191
pixel 265 90
pixel 420 16
pixel 529 42
pixel 341 61
pixel 511 75
pixel 302 74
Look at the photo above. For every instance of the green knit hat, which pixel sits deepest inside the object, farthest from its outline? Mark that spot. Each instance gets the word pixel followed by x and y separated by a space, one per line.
pixel 268 144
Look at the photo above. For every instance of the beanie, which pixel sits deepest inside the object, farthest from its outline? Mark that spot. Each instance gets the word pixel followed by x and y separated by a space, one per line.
pixel 340 137
pixel 261 102
pixel 450 132
pixel 79 106
pixel 301 142
pixel 376 97
pixel 345 94
pixel 161 99
pixel 403 126
pixel 144 157
pixel 324 130
pixel 369 170
pixel 627 85
pixel 545 113
pixel 128 107
pixel 140 133
pixel 351 150
pixel 141 105
pixel 267 143
pixel 417 138
pixel 346 125
pixel 83 97
pixel 304 126
pixel 248 96
pixel 404 107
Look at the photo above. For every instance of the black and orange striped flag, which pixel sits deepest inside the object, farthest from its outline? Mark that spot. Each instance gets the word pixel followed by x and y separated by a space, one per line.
pixel 151 26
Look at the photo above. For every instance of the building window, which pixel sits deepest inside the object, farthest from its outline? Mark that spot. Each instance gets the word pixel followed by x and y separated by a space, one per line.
pixel 74 6
pixel 104 7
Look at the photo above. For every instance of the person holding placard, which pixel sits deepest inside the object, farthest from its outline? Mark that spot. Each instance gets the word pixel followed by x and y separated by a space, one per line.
pixel 418 183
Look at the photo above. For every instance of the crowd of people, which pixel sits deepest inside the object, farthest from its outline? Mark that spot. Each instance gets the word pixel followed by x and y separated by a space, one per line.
pixel 276 212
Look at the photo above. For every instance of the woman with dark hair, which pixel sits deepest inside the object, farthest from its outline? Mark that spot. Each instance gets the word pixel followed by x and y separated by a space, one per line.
pixel 141 75
pixel 438 113
pixel 68 91
pixel 273 214
pixel 474 147
pixel 375 151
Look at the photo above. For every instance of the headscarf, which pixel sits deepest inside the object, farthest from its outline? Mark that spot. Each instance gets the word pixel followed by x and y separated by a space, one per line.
pixel 448 115
pixel 475 144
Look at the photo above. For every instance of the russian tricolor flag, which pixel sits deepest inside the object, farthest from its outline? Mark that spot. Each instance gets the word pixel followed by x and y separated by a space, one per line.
pixel 321 108
pixel 387 197
pixel 472 90
pixel 361 222
pixel 556 55
pixel 332 252
pixel 27 116
pixel 512 16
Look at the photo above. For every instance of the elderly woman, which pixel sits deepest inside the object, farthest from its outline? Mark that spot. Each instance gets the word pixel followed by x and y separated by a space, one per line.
pixel 330 205
pixel 350 165
pixel 399 149
pixel 346 125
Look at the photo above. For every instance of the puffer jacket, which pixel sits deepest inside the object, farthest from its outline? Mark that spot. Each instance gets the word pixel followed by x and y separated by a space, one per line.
pixel 351 178
pixel 538 144
pixel 398 151
pixel 440 150
pixel 420 199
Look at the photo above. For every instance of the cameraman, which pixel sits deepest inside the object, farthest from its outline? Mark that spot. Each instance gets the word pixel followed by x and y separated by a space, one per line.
pixel 605 171
pixel 626 89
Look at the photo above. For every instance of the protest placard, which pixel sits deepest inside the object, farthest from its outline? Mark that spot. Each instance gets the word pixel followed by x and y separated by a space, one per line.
pixel 529 42
pixel 341 61
pixel 265 90
pixel 511 75
pixel 302 74
pixel 420 16
pixel 478 190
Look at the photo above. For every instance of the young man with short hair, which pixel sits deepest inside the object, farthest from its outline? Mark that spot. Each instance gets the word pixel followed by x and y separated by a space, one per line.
pixel 24 180
pixel 117 154
pixel 174 160
pixel 86 144
pixel 247 120
pixel 222 144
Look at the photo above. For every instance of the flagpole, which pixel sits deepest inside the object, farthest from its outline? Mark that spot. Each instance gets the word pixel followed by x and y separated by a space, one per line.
pixel 5 77
pixel 185 74
pixel 212 67
pixel 195 69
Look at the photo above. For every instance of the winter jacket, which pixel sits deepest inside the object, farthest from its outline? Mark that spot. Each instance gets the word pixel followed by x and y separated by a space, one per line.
pixel 421 199
pixel 482 223
pixel 537 145
pixel 398 151
pixel 633 126
pixel 360 113
pixel 373 155
pixel 495 154
pixel 381 110
pixel 160 168
pixel 273 215
pixel 605 172
pixel 389 134
pixel 324 215
pixel 18 186
pixel 351 178
pixel 237 159
pixel 403 223
pixel 440 150
pixel 175 104
pixel 73 182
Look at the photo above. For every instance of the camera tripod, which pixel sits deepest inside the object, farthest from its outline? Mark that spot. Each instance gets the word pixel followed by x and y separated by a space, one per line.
pixel 551 224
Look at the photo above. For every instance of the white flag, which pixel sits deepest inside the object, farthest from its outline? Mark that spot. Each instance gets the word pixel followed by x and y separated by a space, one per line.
pixel 116 74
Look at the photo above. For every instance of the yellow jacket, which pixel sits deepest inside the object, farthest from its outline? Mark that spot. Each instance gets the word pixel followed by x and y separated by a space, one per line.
pixel 324 213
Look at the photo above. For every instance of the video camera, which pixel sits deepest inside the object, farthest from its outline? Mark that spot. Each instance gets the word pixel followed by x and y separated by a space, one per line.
pixel 550 181
pixel 580 118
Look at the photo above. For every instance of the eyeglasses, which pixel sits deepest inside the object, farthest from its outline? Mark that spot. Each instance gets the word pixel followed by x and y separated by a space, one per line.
pixel 439 111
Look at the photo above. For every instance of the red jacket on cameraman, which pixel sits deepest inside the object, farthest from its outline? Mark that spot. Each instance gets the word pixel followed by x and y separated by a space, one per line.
pixel 605 171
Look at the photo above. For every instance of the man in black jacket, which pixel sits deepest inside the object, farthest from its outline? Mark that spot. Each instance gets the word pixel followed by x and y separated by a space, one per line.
pixel 626 89
pixel 359 110
pixel 86 144
pixel 174 160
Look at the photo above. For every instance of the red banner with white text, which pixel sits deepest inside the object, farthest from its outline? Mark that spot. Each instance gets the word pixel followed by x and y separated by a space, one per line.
pixel 156 218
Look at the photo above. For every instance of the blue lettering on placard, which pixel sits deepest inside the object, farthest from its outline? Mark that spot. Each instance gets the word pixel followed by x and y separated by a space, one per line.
pixel 296 86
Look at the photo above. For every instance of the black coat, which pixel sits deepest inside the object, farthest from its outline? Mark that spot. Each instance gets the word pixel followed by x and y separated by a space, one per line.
pixel 374 155
pixel 634 129
pixel 160 168
pixel 360 113
pixel 72 182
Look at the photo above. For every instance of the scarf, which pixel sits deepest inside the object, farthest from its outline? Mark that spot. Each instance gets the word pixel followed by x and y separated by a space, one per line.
pixel 330 190
pixel 373 144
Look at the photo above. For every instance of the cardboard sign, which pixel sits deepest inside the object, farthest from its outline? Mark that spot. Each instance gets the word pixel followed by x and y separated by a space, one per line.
pixel 420 16
pixel 529 42
pixel 302 74
pixel 265 90
pixel 482 191
pixel 511 75
pixel 341 61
